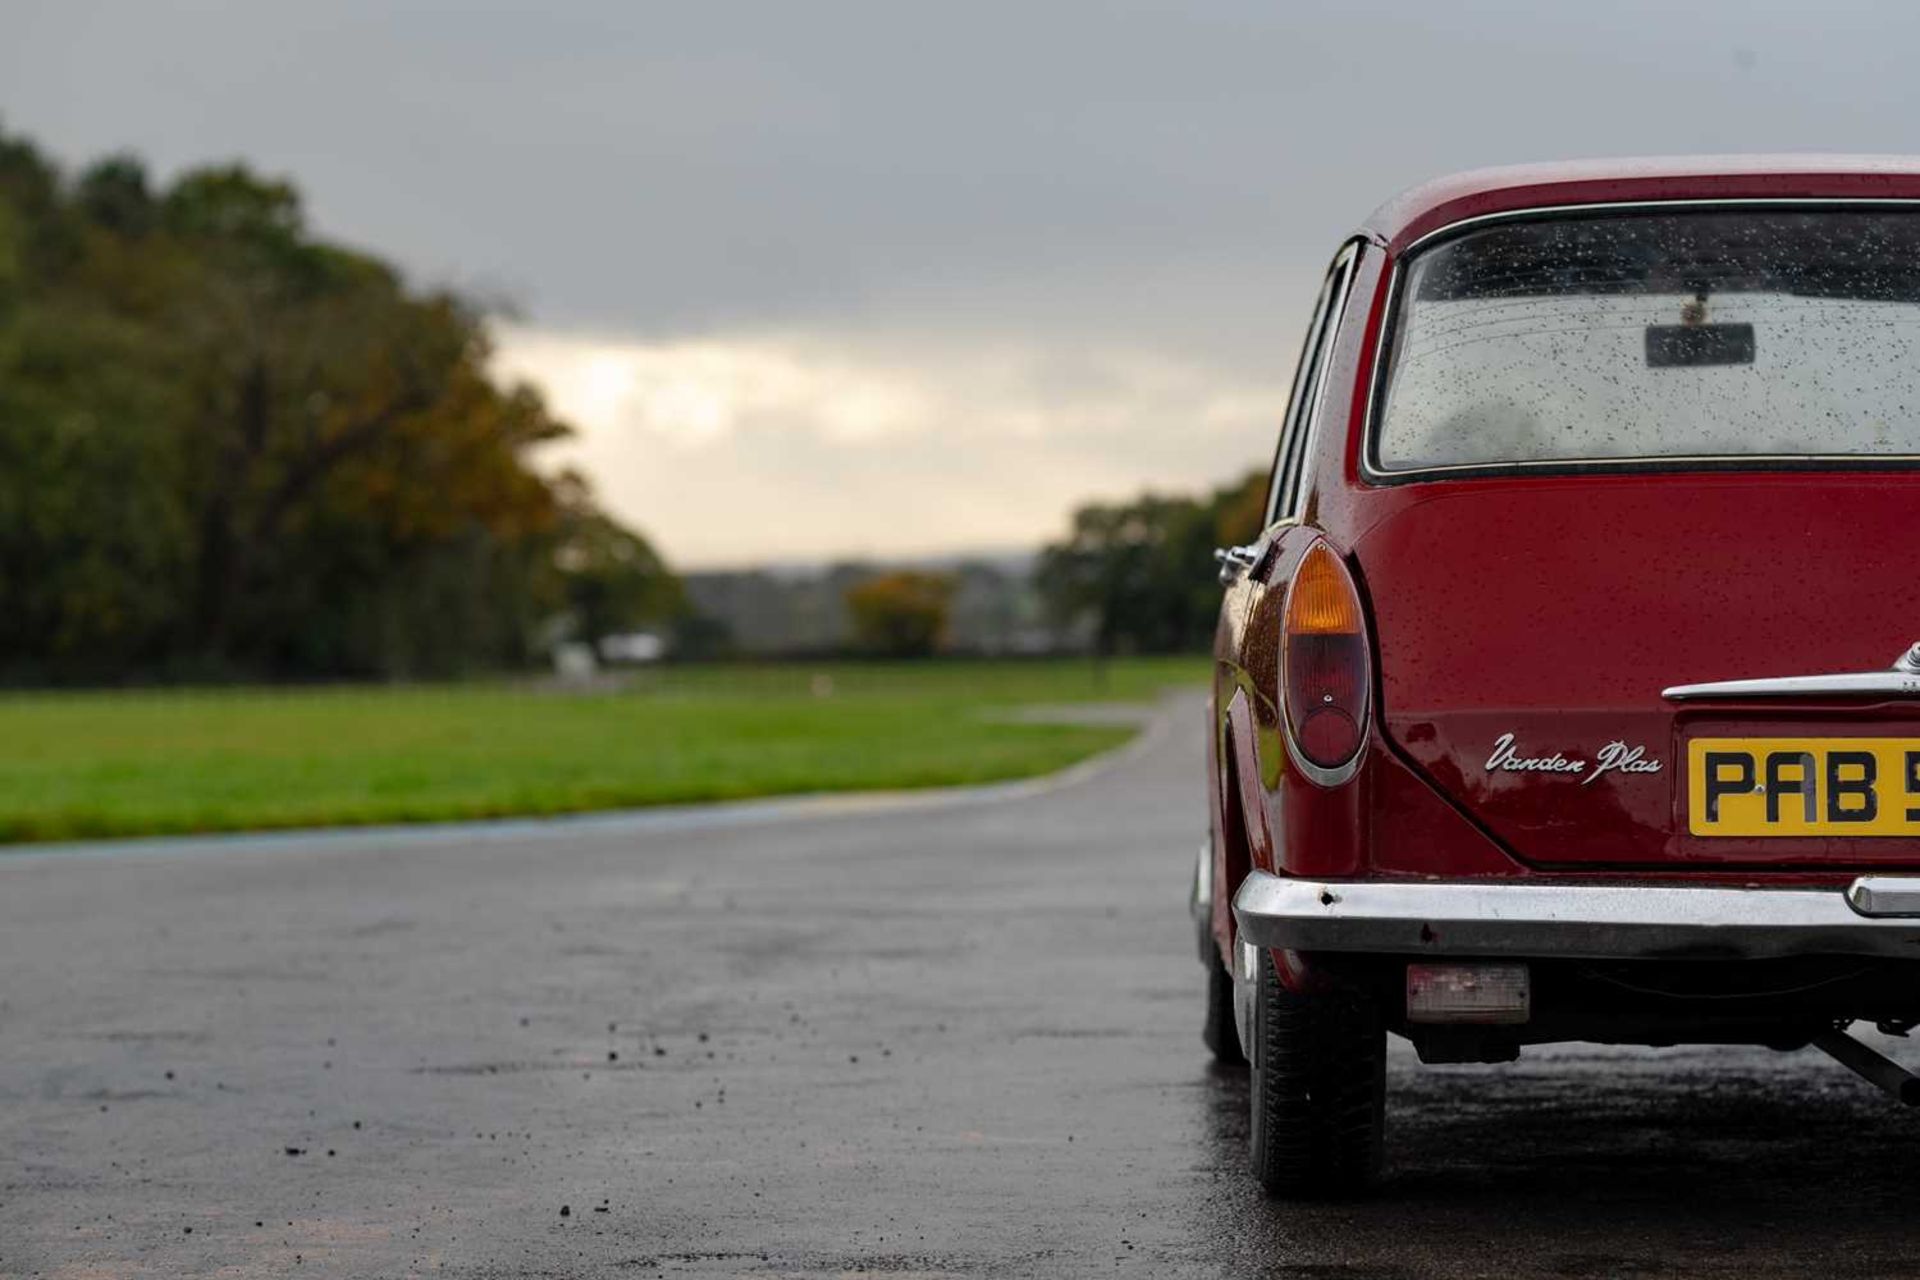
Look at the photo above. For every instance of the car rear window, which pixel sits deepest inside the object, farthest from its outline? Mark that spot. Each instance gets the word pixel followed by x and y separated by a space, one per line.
pixel 1730 333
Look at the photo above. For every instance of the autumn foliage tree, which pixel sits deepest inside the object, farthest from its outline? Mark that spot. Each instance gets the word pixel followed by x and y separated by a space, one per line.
pixel 901 615
pixel 229 447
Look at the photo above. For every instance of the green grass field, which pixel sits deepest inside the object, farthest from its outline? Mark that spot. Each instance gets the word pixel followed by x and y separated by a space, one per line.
pixel 85 765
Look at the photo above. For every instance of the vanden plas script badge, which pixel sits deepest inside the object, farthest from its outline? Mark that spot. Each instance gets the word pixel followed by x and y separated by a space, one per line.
pixel 1615 757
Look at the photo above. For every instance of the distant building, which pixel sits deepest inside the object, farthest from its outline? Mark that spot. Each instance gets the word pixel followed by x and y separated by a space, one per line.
pixel 574 663
pixel 634 647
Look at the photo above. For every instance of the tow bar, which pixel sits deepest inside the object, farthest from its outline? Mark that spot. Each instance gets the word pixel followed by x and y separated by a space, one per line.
pixel 1875 1068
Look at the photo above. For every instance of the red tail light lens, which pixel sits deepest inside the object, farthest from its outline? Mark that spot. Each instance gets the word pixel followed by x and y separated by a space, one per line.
pixel 1325 677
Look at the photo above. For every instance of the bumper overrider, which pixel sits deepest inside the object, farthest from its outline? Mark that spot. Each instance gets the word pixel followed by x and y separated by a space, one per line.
pixel 1876 915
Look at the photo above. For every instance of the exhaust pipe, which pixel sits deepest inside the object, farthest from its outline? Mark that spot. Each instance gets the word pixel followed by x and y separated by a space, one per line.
pixel 1875 1068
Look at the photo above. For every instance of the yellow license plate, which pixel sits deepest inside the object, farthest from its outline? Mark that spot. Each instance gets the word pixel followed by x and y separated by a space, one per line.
pixel 1803 787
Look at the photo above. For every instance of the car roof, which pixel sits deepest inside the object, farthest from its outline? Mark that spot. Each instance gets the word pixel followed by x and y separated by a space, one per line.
pixel 1432 205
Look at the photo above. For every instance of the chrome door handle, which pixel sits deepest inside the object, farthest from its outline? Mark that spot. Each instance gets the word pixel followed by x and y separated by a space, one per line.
pixel 1235 561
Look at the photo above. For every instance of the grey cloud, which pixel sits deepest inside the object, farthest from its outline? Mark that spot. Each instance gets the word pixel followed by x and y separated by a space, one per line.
pixel 1169 172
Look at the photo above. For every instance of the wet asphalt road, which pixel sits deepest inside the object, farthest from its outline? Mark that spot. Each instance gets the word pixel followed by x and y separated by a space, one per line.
pixel 946 1038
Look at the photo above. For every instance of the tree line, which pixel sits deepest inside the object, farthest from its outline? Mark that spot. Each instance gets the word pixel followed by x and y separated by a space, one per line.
pixel 1140 575
pixel 230 448
pixel 1130 577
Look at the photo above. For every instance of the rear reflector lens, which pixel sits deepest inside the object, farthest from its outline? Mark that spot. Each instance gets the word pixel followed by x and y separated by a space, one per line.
pixel 1487 994
pixel 1324 668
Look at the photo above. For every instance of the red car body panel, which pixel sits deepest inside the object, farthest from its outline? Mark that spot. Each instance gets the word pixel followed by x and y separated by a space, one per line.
pixel 1424 209
pixel 1556 608
pixel 1515 607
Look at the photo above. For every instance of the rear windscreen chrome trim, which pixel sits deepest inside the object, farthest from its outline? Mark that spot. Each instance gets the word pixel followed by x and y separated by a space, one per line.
pixel 1373 472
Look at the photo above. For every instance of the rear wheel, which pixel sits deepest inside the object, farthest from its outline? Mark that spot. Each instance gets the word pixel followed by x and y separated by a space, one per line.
pixel 1220 1034
pixel 1318 1088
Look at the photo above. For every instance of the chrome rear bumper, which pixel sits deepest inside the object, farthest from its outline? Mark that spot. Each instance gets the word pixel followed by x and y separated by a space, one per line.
pixel 1874 916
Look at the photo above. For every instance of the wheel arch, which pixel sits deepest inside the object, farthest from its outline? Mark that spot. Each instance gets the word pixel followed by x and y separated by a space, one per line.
pixel 1243 839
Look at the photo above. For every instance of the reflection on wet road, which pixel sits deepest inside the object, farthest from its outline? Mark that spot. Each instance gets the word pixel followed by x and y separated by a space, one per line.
pixel 960 1039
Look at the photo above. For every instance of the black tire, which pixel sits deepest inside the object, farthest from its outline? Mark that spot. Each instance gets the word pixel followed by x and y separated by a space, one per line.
pixel 1318 1088
pixel 1220 1034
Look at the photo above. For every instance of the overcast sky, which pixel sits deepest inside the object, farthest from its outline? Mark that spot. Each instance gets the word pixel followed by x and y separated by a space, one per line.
pixel 817 279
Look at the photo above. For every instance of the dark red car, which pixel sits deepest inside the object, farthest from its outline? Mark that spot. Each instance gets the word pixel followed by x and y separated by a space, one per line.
pixel 1572 691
